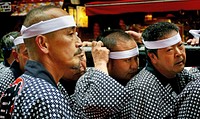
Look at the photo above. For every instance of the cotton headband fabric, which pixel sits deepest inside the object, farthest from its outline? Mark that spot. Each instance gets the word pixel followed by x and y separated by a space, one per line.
pixel 18 40
pixel 195 33
pixel 124 54
pixel 11 37
pixel 162 43
pixel 48 26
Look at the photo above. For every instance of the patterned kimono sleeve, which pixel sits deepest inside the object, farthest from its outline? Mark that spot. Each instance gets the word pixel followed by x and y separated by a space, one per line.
pixel 150 100
pixel 98 95
pixel 5 80
pixel 194 70
pixel 2 68
pixel 144 103
pixel 188 102
pixel 40 100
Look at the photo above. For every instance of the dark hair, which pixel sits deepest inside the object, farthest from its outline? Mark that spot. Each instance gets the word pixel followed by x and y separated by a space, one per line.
pixel 7 43
pixel 156 32
pixel 110 37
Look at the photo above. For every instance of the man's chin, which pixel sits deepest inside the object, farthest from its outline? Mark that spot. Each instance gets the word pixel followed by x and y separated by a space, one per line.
pixel 180 69
pixel 75 64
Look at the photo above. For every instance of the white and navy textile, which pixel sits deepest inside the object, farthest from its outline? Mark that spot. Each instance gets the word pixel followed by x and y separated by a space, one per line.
pixel 153 95
pixel 35 95
pixel 9 75
pixel 187 105
pixel 3 68
pixel 99 96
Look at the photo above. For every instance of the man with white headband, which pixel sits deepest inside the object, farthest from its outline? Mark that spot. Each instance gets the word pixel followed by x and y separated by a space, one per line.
pixel 6 45
pixel 17 67
pixel 50 37
pixel 53 47
pixel 108 96
pixel 124 55
pixel 155 88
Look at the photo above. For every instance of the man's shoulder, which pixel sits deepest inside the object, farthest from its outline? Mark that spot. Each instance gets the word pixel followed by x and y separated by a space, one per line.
pixel 144 76
pixel 6 72
pixel 3 68
pixel 193 86
pixel 144 80
pixel 39 87
pixel 1 65
pixel 6 78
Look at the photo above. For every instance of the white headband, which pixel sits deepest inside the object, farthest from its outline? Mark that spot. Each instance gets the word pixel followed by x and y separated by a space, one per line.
pixel 162 43
pixel 19 40
pixel 124 54
pixel 11 37
pixel 47 26
pixel 195 33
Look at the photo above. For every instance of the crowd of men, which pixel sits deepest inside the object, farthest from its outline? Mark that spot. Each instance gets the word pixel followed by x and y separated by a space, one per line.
pixel 44 73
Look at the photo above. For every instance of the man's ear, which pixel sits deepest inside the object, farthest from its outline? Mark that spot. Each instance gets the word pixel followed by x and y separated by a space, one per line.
pixel 152 57
pixel 15 55
pixel 42 43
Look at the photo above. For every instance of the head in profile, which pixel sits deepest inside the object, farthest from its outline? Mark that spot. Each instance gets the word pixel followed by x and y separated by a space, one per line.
pixel 52 42
pixel 7 46
pixel 20 53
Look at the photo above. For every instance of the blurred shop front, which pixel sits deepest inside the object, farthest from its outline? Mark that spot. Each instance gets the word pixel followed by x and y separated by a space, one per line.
pixel 13 12
pixel 94 16
pixel 184 13
pixel 138 14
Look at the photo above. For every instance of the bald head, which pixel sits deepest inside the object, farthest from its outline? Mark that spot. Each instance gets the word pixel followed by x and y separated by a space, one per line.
pixel 35 16
pixel 42 14
pixel 112 38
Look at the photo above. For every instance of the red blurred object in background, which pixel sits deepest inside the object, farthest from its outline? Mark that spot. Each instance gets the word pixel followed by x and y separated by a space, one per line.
pixel 128 6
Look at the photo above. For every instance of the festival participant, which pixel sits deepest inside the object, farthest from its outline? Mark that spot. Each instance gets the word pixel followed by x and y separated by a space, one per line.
pixel 97 96
pixel 49 34
pixel 17 67
pixel 155 88
pixel 6 46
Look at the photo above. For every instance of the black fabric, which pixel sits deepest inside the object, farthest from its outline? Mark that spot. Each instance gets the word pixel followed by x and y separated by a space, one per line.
pixel 164 80
pixel 36 69
pixel 6 63
pixel 15 68
pixel 68 85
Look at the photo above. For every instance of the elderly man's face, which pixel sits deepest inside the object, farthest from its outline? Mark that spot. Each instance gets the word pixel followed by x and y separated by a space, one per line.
pixel 22 56
pixel 65 48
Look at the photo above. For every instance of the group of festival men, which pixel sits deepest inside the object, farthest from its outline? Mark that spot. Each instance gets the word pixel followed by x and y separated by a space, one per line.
pixel 48 57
